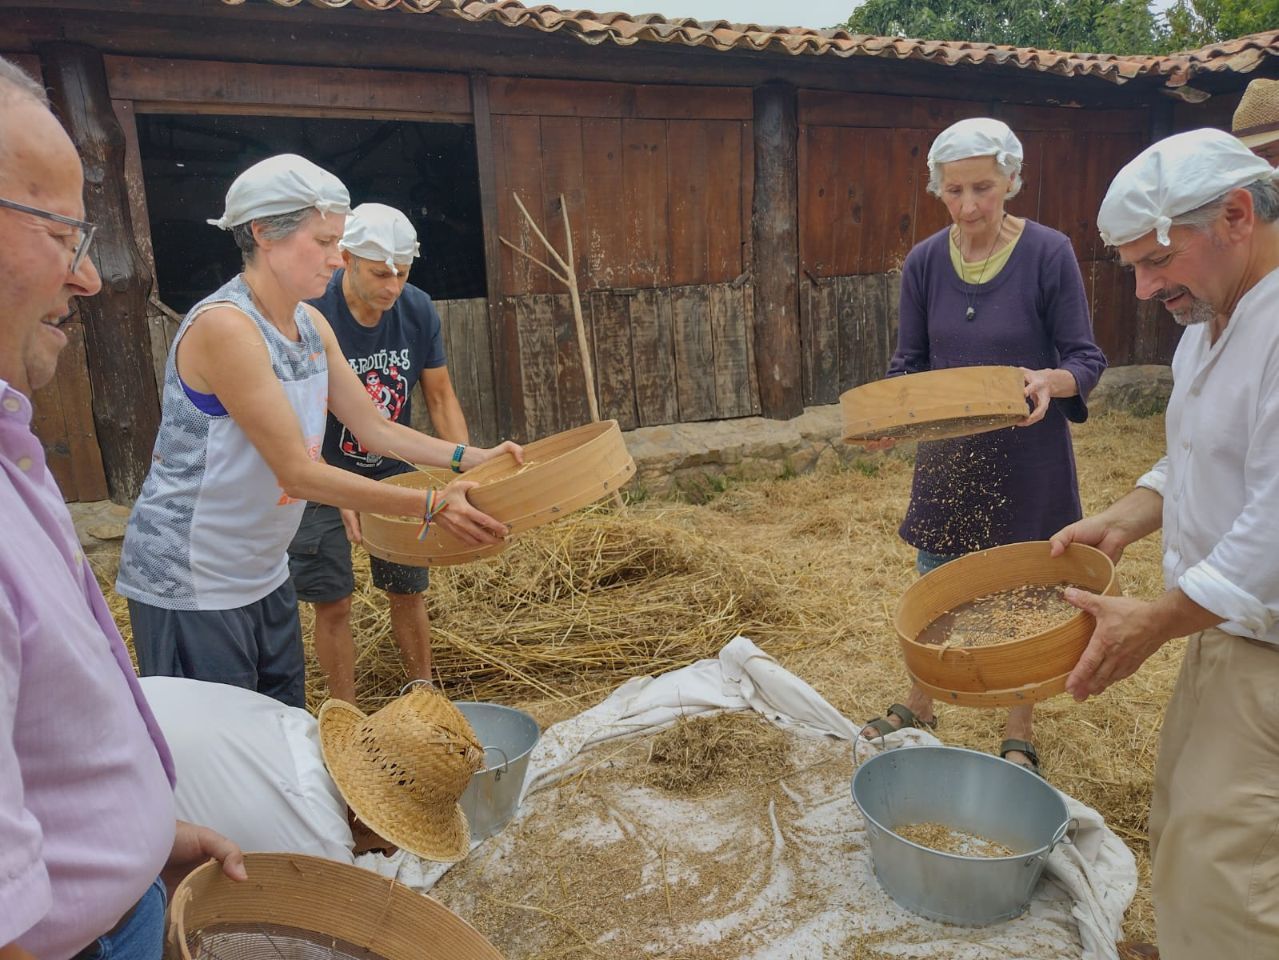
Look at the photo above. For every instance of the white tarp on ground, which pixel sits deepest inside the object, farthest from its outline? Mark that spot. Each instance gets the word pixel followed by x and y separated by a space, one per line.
pixel 807 861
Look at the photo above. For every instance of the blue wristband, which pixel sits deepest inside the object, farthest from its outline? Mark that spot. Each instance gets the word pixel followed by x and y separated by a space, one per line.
pixel 456 462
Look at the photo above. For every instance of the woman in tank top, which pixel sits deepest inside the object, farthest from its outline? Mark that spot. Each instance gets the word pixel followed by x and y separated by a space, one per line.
pixel 250 377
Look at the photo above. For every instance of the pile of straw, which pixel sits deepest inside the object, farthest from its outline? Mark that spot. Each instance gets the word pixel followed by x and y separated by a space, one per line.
pixel 571 609
pixel 704 753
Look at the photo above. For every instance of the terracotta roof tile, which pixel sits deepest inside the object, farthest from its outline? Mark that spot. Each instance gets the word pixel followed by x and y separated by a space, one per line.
pixel 1239 56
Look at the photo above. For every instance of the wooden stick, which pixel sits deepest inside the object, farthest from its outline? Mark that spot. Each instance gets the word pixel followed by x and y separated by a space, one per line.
pixel 540 235
pixel 579 322
pixel 569 279
pixel 524 253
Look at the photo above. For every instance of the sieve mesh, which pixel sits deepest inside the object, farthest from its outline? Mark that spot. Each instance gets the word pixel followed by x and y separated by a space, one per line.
pixel 270 941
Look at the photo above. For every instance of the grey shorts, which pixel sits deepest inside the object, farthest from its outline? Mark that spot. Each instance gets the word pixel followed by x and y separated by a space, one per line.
pixel 320 561
pixel 258 646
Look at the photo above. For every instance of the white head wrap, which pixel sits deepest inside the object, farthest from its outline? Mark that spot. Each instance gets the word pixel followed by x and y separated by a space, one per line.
pixel 1172 177
pixel 282 184
pixel 975 137
pixel 375 231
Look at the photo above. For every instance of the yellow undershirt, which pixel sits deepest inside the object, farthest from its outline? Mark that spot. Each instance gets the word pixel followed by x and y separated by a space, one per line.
pixel 980 271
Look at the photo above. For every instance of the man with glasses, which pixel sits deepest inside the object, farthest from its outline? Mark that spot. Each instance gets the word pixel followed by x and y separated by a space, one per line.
pixel 77 239
pixel 86 799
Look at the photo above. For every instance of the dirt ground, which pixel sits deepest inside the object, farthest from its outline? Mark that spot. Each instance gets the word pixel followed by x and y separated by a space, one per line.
pixel 810 568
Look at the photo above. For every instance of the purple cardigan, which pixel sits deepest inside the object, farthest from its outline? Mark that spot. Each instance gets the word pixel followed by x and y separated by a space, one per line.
pixel 1008 485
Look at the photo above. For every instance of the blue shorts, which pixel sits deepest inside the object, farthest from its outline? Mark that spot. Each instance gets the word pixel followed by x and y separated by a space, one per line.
pixel 257 646
pixel 320 561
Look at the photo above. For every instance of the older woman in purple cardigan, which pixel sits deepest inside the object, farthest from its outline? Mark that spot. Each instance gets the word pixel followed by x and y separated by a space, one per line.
pixel 992 288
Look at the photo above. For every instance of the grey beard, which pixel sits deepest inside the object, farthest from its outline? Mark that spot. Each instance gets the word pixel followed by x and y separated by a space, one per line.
pixel 1200 312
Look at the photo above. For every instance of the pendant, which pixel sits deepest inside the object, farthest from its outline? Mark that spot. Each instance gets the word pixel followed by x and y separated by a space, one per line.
pixel 970 313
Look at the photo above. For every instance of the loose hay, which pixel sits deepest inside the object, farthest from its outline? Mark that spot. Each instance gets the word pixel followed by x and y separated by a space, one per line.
pixel 570 609
pixel 593 880
pixel 810 568
pixel 706 752
pixel 602 864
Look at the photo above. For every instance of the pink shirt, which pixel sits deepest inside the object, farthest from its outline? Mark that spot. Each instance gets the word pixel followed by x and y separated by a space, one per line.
pixel 86 798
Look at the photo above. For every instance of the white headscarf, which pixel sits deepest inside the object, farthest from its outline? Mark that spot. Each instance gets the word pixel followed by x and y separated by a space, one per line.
pixel 975 137
pixel 375 231
pixel 282 184
pixel 1172 177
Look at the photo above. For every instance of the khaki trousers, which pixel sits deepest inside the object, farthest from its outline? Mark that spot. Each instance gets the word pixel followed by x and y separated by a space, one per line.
pixel 1214 819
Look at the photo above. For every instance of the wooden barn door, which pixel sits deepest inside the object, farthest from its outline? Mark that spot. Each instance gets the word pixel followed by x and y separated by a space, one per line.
pixel 863 203
pixel 657 182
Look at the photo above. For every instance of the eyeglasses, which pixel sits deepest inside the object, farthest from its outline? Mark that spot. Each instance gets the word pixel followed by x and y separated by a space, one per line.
pixel 87 230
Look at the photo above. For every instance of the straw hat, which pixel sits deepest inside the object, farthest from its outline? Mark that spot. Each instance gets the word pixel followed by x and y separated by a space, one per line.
pixel 403 768
pixel 1256 119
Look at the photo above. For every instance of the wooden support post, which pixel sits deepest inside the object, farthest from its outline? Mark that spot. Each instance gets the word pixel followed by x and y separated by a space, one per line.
pixel 508 378
pixel 775 246
pixel 126 404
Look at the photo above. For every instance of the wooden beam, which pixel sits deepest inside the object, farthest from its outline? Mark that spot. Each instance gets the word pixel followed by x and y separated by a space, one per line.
pixel 508 376
pixel 126 405
pixel 162 328
pixel 257 85
pixel 567 98
pixel 775 240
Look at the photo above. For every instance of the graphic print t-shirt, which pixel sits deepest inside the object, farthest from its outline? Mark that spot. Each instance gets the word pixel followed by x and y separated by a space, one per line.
pixel 389 360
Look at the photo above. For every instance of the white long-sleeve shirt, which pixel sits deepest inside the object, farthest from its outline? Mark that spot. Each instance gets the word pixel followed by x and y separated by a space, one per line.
pixel 250 768
pixel 1220 477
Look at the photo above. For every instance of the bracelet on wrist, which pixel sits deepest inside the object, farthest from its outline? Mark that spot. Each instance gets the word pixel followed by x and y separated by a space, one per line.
pixel 435 505
pixel 456 462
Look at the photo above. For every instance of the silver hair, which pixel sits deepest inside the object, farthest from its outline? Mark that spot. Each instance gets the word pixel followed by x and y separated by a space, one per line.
pixel 14 81
pixel 1265 203
pixel 1011 168
pixel 275 227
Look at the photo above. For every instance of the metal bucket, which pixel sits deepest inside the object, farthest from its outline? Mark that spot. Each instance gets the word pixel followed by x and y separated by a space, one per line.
pixel 963 790
pixel 508 736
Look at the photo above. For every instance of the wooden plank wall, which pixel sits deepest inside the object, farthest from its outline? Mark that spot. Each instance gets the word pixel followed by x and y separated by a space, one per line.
pixel 469 353
pixel 863 203
pixel 660 354
pixel 658 185
pixel 63 410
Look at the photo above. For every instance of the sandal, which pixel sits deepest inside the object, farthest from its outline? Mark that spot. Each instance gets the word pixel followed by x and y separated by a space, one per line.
pixel 1026 747
pixel 883 726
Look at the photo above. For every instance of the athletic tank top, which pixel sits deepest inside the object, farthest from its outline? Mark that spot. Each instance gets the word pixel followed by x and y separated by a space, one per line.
pixel 211 528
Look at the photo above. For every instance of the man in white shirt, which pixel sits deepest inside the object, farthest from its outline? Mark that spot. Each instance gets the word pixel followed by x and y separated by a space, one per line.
pixel 260 772
pixel 1195 217
pixel 250 765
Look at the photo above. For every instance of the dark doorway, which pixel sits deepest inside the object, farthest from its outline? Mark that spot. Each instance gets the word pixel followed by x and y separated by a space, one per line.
pixel 428 170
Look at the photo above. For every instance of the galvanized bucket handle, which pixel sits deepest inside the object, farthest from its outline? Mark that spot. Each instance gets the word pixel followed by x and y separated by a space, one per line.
pixel 506 762
pixel 1065 833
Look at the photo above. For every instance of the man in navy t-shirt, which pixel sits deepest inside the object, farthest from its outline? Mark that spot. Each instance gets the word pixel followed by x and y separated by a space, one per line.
pixel 390 333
